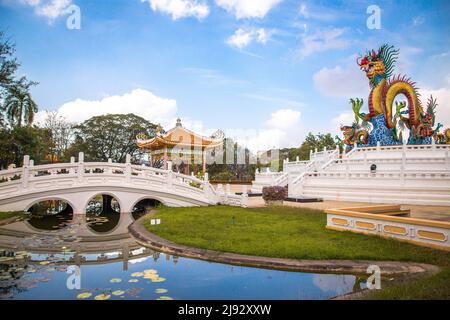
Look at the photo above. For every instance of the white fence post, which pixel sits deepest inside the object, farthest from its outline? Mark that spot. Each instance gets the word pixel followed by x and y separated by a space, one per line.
pixel 128 168
pixel 80 169
pixel 25 171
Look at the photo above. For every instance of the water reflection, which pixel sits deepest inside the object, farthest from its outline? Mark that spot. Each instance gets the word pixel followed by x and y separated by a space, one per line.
pixel 102 213
pixel 144 207
pixel 139 273
pixel 50 215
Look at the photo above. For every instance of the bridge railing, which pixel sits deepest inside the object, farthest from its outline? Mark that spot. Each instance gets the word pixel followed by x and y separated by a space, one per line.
pixel 30 177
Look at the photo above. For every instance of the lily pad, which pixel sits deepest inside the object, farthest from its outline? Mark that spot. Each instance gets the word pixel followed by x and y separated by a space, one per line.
pixel 159 279
pixel 151 271
pixel 84 295
pixel 137 274
pixel 133 280
pixel 161 290
pixel 165 298
pixel 115 280
pixel 102 296
pixel 118 292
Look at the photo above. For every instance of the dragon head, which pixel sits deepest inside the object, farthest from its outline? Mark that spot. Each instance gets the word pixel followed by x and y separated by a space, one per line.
pixel 378 64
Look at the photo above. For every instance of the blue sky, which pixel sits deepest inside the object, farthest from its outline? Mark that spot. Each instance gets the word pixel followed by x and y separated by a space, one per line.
pixel 267 71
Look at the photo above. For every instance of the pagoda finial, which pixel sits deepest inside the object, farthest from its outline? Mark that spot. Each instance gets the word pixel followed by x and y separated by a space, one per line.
pixel 178 123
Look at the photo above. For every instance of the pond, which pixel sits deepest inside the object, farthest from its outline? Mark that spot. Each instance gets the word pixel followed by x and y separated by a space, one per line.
pixel 59 265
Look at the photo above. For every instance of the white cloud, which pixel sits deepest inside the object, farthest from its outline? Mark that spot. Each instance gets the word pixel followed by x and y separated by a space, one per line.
pixel 140 102
pixel 248 8
pixel 283 129
pixel 180 8
pixel 322 40
pixel 242 38
pixel 348 82
pixel 51 9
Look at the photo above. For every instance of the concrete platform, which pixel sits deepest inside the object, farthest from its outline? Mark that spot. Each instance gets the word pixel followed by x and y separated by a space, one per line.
pixel 439 213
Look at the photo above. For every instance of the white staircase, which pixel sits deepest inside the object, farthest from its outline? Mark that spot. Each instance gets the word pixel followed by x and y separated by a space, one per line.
pixel 405 174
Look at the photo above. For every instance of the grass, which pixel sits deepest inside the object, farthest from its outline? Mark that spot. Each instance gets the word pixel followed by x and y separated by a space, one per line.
pixel 296 233
pixel 7 215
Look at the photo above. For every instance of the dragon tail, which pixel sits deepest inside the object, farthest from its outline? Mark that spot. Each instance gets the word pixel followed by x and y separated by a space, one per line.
pixel 402 85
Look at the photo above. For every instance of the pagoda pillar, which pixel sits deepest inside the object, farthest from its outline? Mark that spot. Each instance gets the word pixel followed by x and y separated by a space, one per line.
pixel 165 158
pixel 204 161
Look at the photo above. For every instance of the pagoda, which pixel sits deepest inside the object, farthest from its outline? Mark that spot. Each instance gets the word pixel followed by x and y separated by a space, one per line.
pixel 180 147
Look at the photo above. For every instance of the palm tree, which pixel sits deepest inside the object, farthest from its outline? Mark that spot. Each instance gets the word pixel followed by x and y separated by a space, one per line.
pixel 19 105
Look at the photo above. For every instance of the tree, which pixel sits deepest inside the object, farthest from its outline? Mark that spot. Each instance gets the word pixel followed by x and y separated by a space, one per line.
pixel 20 141
pixel 111 136
pixel 319 142
pixel 62 133
pixel 8 64
pixel 18 103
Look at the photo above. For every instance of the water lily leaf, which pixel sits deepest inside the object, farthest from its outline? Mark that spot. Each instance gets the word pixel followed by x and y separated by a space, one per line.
pixel 44 263
pixel 151 276
pixel 118 292
pixel 115 280
pixel 151 271
pixel 133 280
pixel 137 274
pixel 161 290
pixel 32 270
pixel 84 295
pixel 159 279
pixel 102 296
pixel 165 298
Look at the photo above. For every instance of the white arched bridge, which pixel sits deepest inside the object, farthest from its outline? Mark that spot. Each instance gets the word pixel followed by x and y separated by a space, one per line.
pixel 76 183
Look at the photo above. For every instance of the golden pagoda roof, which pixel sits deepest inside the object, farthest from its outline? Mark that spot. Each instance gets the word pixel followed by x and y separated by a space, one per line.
pixel 180 137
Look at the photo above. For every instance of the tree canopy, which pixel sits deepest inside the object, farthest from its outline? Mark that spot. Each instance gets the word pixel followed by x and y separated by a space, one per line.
pixel 111 136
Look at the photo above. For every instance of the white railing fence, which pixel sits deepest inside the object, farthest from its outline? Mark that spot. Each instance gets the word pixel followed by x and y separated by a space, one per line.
pixel 30 178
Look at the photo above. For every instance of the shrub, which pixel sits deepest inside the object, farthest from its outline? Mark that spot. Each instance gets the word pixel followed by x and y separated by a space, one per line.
pixel 274 193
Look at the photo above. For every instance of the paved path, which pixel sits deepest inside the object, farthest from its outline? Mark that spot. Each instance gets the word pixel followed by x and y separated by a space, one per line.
pixel 420 212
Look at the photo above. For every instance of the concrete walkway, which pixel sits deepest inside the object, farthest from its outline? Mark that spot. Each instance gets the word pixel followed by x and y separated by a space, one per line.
pixel 419 212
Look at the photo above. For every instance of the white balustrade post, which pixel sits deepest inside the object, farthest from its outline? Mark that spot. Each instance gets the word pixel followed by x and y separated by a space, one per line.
pixel 402 169
pixel 169 165
pixel 324 149
pixel 206 177
pixel 80 169
pixel 344 152
pixel 31 163
pixel 378 145
pixel 169 179
pixel 447 160
pixel 356 145
pixel 297 159
pixel 128 168
pixel 72 169
pixel 227 191
pixel 25 171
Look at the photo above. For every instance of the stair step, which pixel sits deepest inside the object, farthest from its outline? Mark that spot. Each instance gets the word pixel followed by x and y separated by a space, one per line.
pixel 304 199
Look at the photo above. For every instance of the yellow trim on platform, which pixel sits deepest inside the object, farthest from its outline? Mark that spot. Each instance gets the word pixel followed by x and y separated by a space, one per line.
pixel 395 230
pixel 365 225
pixel 431 235
pixel 418 243
pixel 357 214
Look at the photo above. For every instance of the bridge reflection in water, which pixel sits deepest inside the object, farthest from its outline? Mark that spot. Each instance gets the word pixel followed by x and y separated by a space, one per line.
pixel 34 264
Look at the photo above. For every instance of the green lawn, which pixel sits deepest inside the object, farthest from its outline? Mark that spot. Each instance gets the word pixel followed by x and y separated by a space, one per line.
pixel 296 233
pixel 6 215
